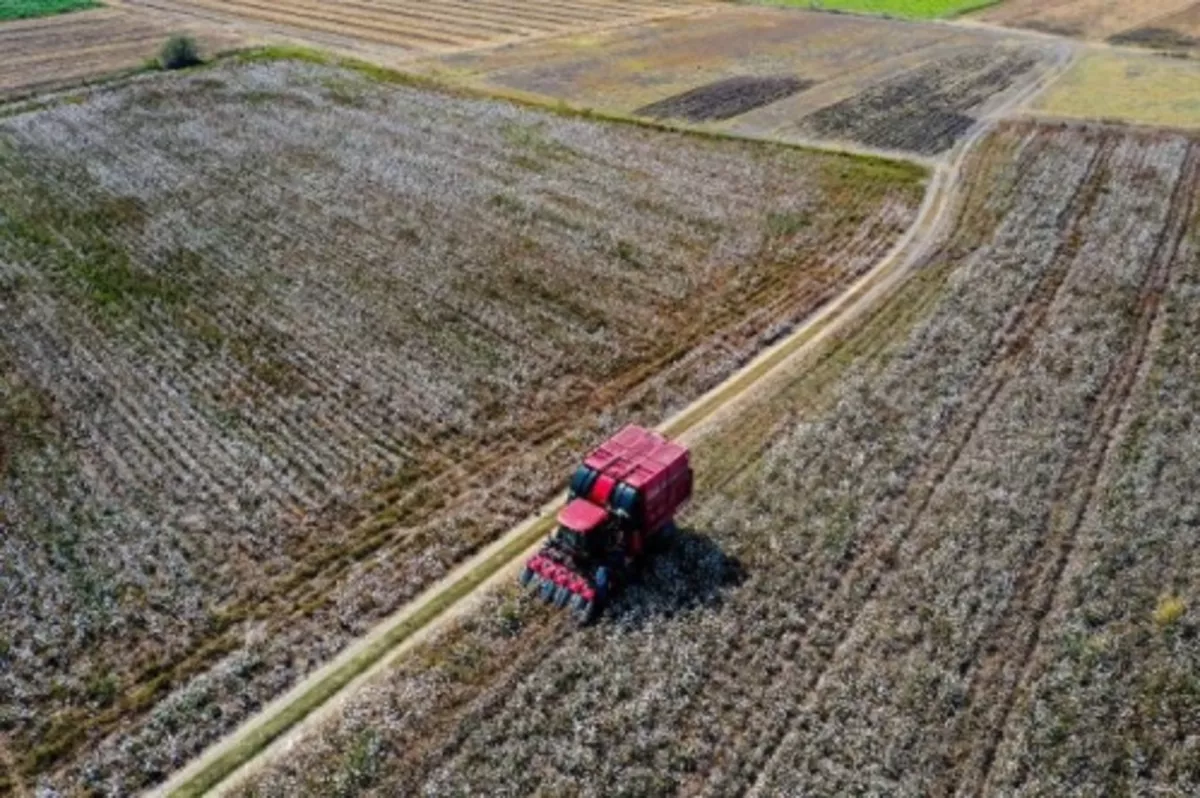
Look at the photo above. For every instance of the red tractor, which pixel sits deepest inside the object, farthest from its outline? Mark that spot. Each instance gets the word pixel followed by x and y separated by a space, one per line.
pixel 621 502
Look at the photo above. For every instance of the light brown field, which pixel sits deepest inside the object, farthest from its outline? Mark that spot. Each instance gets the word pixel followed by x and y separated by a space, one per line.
pixel 263 381
pixel 39 55
pixel 1118 20
pixel 871 82
pixel 955 556
pixel 392 30
pixel 1130 87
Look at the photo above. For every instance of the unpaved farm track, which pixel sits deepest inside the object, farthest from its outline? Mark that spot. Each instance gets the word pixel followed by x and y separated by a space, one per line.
pixel 403 27
pixel 40 55
pixel 284 723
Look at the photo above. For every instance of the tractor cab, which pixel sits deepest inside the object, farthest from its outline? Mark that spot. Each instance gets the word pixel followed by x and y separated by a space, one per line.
pixel 583 528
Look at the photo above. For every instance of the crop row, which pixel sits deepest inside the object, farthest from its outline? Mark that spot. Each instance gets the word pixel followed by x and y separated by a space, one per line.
pixel 421 26
pixel 280 379
pixel 949 557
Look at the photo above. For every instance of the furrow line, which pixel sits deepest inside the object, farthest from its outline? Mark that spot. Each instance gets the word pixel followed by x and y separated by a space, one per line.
pixel 1087 475
pixel 880 558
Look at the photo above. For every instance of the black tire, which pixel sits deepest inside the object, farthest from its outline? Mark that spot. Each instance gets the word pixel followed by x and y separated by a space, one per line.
pixel 584 611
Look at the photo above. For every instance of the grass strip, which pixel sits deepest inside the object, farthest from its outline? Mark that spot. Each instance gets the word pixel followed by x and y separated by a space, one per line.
pixel 28 9
pixel 908 9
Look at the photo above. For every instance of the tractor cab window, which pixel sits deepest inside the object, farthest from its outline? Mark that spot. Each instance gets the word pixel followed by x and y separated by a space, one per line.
pixel 571 540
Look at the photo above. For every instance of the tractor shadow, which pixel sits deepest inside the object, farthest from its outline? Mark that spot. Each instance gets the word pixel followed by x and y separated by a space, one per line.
pixel 690 571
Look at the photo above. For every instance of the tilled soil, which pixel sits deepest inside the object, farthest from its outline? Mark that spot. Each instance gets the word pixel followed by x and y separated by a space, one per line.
pixel 44 54
pixel 1094 19
pixel 926 110
pixel 415 26
pixel 725 99
pixel 1156 38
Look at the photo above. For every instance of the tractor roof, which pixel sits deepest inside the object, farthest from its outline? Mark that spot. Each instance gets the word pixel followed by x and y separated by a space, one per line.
pixel 581 515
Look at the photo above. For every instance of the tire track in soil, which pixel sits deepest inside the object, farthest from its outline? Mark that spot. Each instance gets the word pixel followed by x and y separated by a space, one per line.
pixel 880 559
pixel 1037 588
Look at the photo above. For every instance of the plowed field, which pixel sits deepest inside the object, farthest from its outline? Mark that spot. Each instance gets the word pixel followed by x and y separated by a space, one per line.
pixel 395 27
pixel 263 381
pixel 868 82
pixel 43 54
pixel 955 556
pixel 1162 24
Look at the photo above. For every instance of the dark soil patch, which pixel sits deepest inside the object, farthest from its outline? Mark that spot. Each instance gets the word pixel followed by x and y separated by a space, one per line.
pixel 726 99
pixel 924 111
pixel 1068 29
pixel 1156 38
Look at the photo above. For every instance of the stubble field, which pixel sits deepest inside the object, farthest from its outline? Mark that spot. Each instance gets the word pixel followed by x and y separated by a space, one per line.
pixel 783 74
pixel 1159 24
pixel 38 55
pixel 262 381
pixel 392 29
pixel 954 556
pixel 1139 88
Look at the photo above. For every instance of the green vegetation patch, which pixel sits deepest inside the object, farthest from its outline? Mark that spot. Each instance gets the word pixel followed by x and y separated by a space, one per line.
pixel 914 9
pixel 25 9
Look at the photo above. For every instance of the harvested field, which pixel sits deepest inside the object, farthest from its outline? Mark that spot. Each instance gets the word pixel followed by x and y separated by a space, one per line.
pixel 724 99
pixel 846 65
pixel 1118 22
pixel 954 556
pixel 1127 87
pixel 1178 33
pixel 393 29
pixel 264 381
pixel 44 54
pixel 926 110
